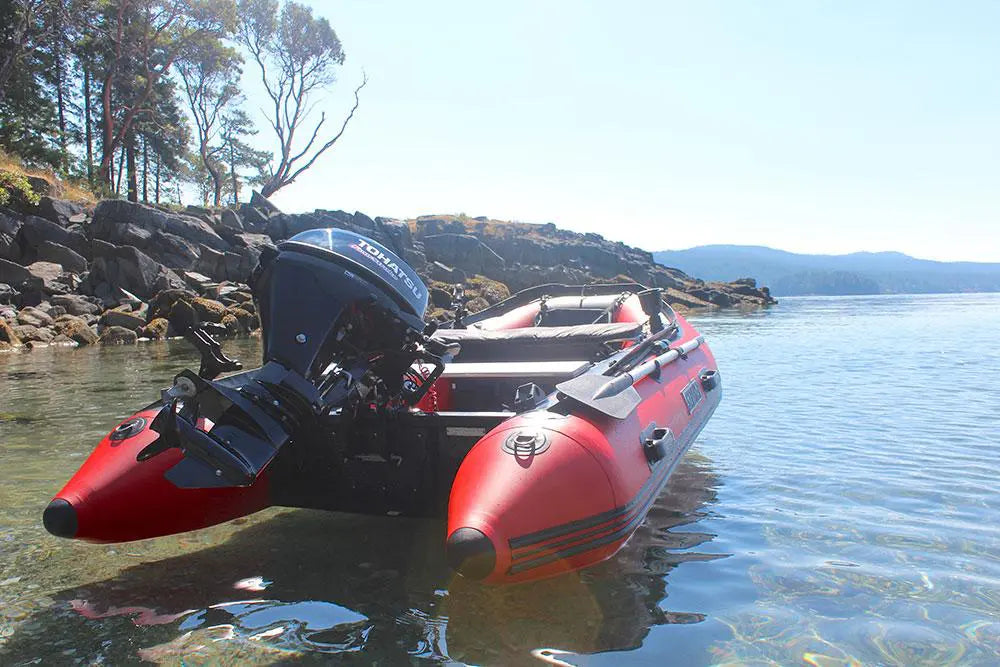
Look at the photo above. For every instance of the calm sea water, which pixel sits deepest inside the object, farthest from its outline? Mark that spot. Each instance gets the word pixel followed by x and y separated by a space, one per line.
pixel 842 507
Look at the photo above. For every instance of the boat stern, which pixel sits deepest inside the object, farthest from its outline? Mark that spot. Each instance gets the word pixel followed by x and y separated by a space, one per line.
pixel 115 498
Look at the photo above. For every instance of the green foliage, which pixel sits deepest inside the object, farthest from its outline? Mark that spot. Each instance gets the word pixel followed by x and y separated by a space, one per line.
pixel 15 189
pixel 124 93
pixel 27 110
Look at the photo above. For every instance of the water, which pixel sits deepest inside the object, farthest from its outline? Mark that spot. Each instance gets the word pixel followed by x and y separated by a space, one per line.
pixel 842 507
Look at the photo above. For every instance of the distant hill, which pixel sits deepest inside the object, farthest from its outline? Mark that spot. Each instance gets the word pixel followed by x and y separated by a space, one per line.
pixel 790 274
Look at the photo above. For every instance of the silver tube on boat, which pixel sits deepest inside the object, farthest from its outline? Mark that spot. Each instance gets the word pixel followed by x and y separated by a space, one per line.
pixel 620 383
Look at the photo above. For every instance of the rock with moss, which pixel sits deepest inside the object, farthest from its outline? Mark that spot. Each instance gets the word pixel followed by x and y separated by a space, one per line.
pixel 233 327
pixel 208 310
pixel 118 336
pixel 157 329
pixel 248 321
pixel 162 302
pixel 493 291
pixel 476 304
pixel 75 329
pixel 438 315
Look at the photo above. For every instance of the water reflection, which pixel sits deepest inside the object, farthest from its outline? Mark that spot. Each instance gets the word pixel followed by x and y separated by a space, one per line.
pixel 304 585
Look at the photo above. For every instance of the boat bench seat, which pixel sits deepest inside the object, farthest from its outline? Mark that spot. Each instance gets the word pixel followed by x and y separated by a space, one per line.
pixel 566 343
pixel 521 370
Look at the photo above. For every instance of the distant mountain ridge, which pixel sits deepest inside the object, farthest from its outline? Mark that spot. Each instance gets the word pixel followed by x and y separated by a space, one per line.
pixel 792 274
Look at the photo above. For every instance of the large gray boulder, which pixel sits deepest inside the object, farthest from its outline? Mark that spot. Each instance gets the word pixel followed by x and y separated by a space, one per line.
pixel 76 304
pixel 173 251
pixel 253 218
pixel 8 249
pixel 60 211
pixel 398 231
pixel 30 286
pixel 231 219
pixel 53 277
pixel 237 264
pixel 463 251
pixel 110 214
pixel 35 231
pixel 9 222
pixel 70 260
pixel 34 317
pixel 128 268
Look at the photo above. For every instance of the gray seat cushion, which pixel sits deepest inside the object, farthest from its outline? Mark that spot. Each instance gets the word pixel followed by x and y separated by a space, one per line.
pixel 583 341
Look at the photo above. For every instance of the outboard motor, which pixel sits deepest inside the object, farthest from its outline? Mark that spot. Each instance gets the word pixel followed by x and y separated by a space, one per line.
pixel 341 318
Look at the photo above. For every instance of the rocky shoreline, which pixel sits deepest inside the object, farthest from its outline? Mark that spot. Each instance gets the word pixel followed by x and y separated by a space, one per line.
pixel 121 272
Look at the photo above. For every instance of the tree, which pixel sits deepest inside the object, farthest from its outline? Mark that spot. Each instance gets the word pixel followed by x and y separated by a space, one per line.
pixel 239 154
pixel 210 75
pixel 144 39
pixel 297 55
pixel 164 135
pixel 26 108
pixel 18 22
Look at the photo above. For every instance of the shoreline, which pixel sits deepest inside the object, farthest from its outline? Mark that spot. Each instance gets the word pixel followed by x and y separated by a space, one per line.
pixel 118 271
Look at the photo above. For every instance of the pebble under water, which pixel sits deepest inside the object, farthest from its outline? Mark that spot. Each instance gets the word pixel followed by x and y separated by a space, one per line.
pixel 842 507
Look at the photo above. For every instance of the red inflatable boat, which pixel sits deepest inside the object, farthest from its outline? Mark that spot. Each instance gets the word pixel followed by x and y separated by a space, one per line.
pixel 544 426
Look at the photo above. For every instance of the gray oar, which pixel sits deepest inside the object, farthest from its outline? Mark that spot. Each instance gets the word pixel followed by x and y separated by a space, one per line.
pixel 616 397
pixel 620 383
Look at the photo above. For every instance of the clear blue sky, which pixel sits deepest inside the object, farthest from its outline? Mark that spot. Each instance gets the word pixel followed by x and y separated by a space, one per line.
pixel 808 126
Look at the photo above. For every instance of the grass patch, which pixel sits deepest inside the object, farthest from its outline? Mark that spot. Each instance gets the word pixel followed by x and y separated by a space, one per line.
pixel 14 178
